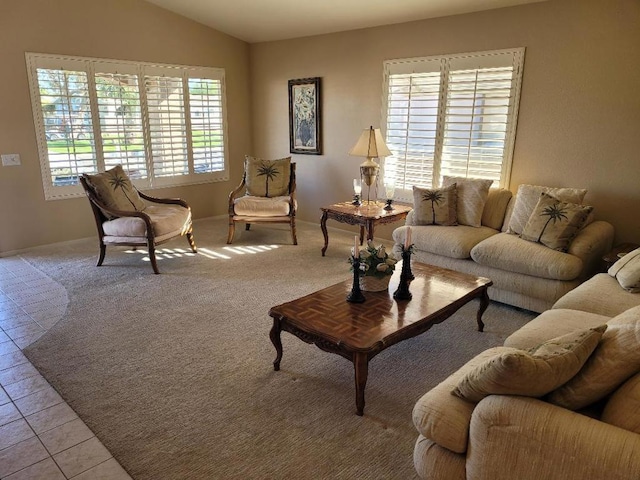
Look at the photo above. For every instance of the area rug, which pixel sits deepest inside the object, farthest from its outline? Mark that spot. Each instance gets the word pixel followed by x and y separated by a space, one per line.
pixel 173 372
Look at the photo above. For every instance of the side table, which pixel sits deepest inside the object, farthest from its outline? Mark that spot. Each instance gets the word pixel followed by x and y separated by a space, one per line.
pixel 612 257
pixel 367 216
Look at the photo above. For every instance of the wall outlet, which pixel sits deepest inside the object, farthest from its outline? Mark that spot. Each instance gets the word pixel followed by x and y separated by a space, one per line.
pixel 10 159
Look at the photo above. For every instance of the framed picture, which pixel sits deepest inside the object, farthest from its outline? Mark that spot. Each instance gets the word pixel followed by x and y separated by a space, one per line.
pixel 305 116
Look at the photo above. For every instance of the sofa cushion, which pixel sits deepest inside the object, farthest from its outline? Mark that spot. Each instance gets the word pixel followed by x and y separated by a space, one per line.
pixel 601 294
pixel 513 254
pixel 435 206
pixel 550 324
pixel 527 199
pixel 554 223
pixel 623 408
pixel 165 219
pixel 267 178
pixel 262 206
pixel 533 372
pixel 615 360
pixel 496 207
pixel 472 196
pixel 627 271
pixel 450 242
pixel 444 418
pixel 114 189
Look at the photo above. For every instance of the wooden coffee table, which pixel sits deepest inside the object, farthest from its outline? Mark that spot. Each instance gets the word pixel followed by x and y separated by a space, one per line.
pixel 367 216
pixel 359 332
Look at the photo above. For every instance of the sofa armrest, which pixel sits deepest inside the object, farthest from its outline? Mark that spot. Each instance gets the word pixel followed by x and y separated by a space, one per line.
pixel 590 245
pixel 444 418
pixel 531 439
pixel 410 218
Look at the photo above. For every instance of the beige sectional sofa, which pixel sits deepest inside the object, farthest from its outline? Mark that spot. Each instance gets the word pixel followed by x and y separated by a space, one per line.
pixel 527 438
pixel 525 274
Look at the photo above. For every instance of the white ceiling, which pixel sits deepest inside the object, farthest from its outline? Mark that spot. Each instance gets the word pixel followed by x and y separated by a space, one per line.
pixel 266 20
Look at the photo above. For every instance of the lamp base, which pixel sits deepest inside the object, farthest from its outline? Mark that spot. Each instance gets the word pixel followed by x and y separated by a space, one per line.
pixel 388 206
pixel 356 201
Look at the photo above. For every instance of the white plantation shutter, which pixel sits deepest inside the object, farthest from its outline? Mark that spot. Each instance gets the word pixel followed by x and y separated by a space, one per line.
pixel 207 127
pixel 460 116
pixel 65 112
pixel 122 133
pixel 412 120
pixel 165 124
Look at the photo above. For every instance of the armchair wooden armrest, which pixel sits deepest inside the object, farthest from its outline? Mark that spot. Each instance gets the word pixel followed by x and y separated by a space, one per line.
pixel 171 201
pixel 236 192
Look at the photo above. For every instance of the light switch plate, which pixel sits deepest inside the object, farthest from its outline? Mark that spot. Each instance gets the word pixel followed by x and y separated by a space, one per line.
pixel 10 159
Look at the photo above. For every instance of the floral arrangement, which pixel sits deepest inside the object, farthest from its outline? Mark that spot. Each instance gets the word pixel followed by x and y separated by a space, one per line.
pixel 374 261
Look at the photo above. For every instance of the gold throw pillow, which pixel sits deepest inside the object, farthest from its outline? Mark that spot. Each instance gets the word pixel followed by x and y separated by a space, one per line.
pixel 267 178
pixel 554 223
pixel 115 190
pixel 435 206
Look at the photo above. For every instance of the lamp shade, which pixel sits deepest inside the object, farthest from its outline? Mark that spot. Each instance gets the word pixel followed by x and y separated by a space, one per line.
pixel 370 144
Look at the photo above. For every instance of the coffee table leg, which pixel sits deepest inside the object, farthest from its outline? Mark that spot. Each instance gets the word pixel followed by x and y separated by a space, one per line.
pixel 361 365
pixel 274 335
pixel 323 226
pixel 361 234
pixel 484 303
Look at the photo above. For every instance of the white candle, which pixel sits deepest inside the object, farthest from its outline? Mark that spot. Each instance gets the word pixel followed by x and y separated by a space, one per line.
pixel 356 248
pixel 407 239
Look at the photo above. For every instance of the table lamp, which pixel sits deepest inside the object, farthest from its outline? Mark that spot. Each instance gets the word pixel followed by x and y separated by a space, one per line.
pixel 370 145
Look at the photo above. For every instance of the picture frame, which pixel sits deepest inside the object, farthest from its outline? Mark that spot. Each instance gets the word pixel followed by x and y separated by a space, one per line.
pixel 305 116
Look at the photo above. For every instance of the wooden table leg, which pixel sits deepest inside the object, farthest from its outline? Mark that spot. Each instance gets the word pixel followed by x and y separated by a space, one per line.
pixel 361 234
pixel 323 226
pixel 274 335
pixel 484 303
pixel 361 366
pixel 369 229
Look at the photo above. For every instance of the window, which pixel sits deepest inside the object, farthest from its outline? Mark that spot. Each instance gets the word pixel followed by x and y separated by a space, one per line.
pixel 164 124
pixel 451 115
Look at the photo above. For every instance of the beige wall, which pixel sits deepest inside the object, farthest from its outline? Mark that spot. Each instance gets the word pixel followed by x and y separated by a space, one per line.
pixel 579 121
pixel 119 29
pixel 579 111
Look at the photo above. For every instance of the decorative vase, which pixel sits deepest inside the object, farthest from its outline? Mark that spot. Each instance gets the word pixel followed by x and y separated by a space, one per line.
pixel 369 283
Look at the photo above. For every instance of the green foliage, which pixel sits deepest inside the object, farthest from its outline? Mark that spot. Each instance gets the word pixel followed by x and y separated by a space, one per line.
pixel 374 261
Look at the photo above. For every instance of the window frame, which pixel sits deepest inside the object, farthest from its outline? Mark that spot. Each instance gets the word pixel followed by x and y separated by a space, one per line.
pixel 92 66
pixel 443 62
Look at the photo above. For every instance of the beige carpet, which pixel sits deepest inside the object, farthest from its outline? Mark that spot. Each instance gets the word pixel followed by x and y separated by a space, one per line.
pixel 173 372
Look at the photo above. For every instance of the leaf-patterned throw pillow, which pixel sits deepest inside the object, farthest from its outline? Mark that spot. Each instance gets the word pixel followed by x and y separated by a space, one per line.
pixel 554 223
pixel 436 206
pixel 114 189
pixel 267 178
pixel 472 196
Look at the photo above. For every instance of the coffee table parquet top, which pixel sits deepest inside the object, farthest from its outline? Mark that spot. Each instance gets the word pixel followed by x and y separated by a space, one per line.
pixel 381 321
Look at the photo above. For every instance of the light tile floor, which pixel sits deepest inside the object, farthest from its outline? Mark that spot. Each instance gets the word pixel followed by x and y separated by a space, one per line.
pixel 41 437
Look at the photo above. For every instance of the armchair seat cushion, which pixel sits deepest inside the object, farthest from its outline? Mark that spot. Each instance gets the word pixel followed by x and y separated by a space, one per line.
pixel 167 221
pixel 262 206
